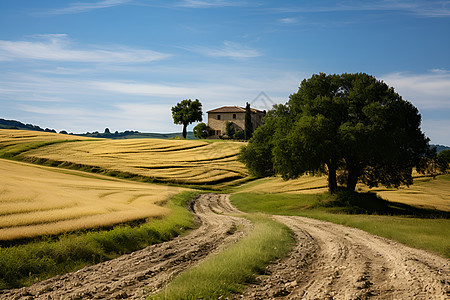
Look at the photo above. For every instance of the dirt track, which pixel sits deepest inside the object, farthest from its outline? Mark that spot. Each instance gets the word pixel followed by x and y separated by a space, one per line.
pixel 147 270
pixel 329 262
pixel 336 262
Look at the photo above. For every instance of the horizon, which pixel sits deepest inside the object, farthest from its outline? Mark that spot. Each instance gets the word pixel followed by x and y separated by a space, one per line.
pixel 122 64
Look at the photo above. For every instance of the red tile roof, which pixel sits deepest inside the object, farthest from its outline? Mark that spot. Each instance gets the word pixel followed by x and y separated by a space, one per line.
pixel 231 109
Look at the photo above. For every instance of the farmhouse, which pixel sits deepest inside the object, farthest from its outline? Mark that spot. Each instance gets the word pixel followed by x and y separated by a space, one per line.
pixel 217 119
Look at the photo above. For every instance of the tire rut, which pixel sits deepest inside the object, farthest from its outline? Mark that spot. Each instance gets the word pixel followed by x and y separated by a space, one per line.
pixel 135 275
pixel 336 262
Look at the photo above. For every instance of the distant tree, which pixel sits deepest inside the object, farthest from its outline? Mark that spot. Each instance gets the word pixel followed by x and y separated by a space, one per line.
pixel 248 130
pixel 63 132
pixel 351 126
pixel 187 112
pixel 443 160
pixel 201 131
pixel 107 131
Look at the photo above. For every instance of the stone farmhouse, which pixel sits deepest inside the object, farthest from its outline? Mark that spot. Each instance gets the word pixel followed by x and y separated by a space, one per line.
pixel 218 117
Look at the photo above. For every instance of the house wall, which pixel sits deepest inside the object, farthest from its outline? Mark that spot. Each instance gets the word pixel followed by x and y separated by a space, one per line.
pixel 216 124
pixel 239 122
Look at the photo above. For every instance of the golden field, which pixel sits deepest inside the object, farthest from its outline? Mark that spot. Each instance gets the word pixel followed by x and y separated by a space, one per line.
pixel 426 192
pixel 172 161
pixel 38 200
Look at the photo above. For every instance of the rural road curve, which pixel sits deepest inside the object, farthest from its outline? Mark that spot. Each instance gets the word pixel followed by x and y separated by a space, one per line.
pixel 329 261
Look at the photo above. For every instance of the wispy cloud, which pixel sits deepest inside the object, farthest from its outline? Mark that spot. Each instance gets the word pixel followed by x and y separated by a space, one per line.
pixel 58 47
pixel 210 3
pixel 143 89
pixel 229 49
pixel 80 7
pixel 288 21
pixel 423 8
pixel 427 91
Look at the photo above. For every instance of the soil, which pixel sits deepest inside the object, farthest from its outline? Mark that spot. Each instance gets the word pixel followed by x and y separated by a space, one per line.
pixel 332 261
pixel 329 261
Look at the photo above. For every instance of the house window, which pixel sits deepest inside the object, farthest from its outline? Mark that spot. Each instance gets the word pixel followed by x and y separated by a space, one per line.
pixel 218 117
pixel 234 116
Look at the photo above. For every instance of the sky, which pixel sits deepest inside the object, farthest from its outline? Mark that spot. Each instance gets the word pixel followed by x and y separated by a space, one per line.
pixel 86 65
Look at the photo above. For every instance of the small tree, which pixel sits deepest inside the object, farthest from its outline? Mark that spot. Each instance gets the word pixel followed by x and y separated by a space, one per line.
pixel 201 131
pixel 443 160
pixel 187 112
pixel 107 131
pixel 248 130
pixel 229 129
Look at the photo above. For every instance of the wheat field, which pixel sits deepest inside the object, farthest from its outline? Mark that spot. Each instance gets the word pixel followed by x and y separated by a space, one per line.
pixel 38 200
pixel 171 161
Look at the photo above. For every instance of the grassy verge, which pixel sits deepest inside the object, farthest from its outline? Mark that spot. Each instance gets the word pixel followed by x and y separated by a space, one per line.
pixel 415 227
pixel 226 272
pixel 23 265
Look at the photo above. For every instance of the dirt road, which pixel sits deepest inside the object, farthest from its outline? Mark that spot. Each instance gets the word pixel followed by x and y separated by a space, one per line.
pixel 336 262
pixel 142 272
pixel 329 261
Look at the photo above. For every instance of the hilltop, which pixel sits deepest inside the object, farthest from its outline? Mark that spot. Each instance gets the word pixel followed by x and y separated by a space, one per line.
pixel 127 134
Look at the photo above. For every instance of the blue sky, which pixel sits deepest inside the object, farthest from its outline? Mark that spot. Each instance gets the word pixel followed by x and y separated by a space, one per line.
pixel 86 65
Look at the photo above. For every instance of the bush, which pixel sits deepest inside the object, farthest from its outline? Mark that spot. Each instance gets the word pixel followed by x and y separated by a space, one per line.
pixel 201 131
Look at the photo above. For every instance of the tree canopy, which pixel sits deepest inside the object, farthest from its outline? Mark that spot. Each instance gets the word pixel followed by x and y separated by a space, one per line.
pixel 187 112
pixel 201 131
pixel 351 126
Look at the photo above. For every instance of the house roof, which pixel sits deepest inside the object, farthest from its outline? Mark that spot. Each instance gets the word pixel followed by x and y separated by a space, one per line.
pixel 231 109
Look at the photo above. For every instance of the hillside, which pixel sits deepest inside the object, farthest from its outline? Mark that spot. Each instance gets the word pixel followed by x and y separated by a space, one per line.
pixel 182 162
pixel 55 201
pixel 127 134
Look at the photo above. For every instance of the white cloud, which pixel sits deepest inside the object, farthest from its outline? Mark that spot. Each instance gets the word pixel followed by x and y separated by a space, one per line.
pixel 437 131
pixel 209 4
pixel 424 8
pixel 57 47
pixel 229 49
pixel 288 21
pixel 143 89
pixel 427 91
pixel 80 7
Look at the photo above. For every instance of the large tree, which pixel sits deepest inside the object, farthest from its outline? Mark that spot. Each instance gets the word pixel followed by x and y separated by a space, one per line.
pixel 351 126
pixel 187 112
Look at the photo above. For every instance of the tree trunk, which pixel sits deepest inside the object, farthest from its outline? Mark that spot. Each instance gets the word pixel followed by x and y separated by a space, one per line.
pixel 332 181
pixel 353 174
pixel 184 130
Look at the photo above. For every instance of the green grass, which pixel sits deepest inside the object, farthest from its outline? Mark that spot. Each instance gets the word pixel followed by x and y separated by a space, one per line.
pixel 415 227
pixel 228 271
pixel 22 265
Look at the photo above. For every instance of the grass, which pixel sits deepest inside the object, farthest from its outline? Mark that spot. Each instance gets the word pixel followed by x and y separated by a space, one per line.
pixel 227 272
pixel 416 227
pixel 426 192
pixel 36 200
pixel 22 265
pixel 182 162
